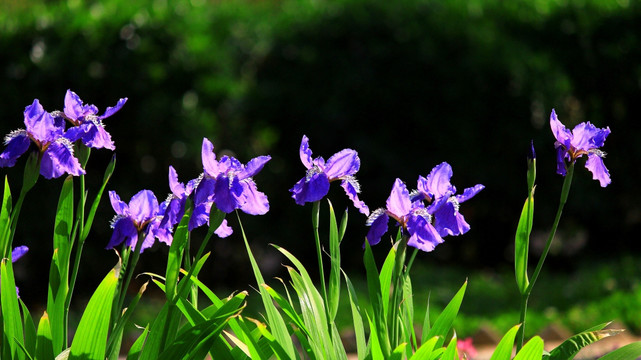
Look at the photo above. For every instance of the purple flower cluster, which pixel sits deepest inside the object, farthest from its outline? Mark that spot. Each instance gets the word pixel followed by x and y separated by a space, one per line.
pixel 425 215
pixel 226 183
pixel 55 144
pixel 584 139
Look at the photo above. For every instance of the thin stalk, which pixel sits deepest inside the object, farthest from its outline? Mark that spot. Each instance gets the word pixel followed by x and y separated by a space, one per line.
pixel 565 190
pixel 78 229
pixel 135 255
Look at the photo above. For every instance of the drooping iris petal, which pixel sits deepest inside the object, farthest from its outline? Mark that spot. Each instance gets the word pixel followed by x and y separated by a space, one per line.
pixel 310 190
pixel 378 226
pixel 92 133
pixel 351 189
pixel 227 194
pixel 124 231
pixel 17 143
pixel 423 236
pixel 343 163
pixel 598 169
pixel 58 159
pixel 448 220
pixel 560 161
pixel 223 230
pixel 398 203
pixel 256 202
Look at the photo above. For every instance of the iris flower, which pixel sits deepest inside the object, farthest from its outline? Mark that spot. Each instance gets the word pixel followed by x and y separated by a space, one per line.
pixel 315 185
pixel 176 206
pixel 584 139
pixel 436 186
pixel 87 124
pixel 229 183
pixel 143 216
pixel 47 133
pixel 414 218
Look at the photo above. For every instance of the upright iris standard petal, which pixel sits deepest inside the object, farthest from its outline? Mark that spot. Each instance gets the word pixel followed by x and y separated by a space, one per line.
pixel 584 139
pixel 18 252
pixel 315 185
pixel 398 203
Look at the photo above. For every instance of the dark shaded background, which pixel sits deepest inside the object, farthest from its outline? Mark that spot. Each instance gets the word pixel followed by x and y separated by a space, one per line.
pixel 407 84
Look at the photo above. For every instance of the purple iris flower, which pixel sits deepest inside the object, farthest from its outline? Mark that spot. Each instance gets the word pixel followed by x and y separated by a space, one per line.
pixel 16 254
pixel 175 205
pixel 87 124
pixel 584 139
pixel 142 215
pixel 437 190
pixel 414 218
pixel 315 185
pixel 229 184
pixel 47 133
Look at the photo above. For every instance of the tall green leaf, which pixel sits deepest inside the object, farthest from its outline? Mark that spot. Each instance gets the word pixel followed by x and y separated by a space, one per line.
pixel 379 313
pixel 5 220
pixel 90 340
pixel 11 320
pixel 357 319
pixel 425 351
pixel 176 250
pixel 29 329
pixel 503 350
pixel 44 345
pixel 451 352
pixel 522 244
pixel 274 319
pixel 533 350
pixel 444 321
pixel 335 270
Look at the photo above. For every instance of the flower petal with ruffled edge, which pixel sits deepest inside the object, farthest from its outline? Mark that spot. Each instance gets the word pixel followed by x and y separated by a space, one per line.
pixel 398 203
pixel 343 163
pixel 377 222
pixel 310 189
pixel 40 124
pixel 255 202
pixel 423 235
pixel 17 143
pixel 598 169
pixel 352 189
pixel 58 159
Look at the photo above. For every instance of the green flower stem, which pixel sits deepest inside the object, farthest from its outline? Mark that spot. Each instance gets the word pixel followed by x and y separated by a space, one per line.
pixel 132 261
pixel 565 190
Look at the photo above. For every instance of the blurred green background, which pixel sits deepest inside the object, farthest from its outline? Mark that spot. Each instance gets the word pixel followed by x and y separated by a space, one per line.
pixel 408 84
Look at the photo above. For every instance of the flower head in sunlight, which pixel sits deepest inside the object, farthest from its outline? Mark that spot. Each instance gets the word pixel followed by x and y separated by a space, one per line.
pixel 47 133
pixel 230 184
pixel 315 185
pixel 142 216
pixel 585 139
pixel 87 124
